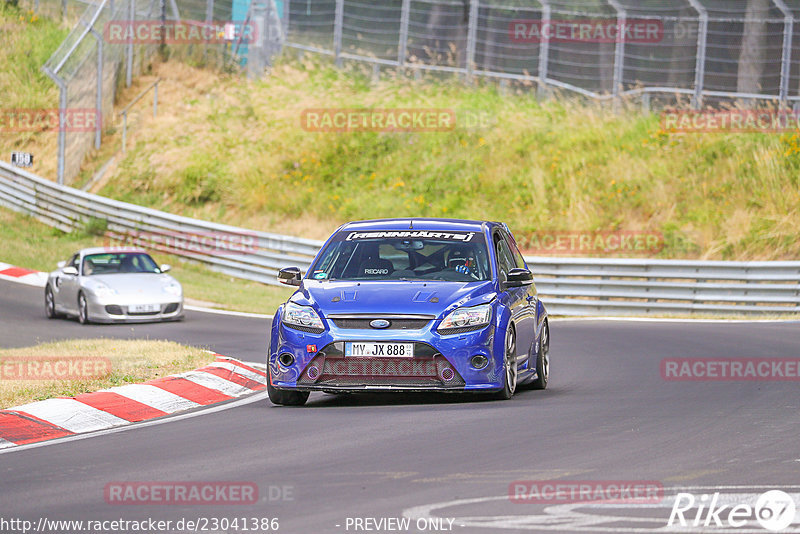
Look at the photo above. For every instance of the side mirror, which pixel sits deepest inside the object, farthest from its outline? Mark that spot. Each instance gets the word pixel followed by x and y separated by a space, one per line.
pixel 61 264
pixel 290 276
pixel 164 268
pixel 71 271
pixel 518 278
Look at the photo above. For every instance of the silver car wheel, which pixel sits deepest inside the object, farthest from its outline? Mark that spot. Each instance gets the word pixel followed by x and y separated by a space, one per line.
pixel 510 361
pixel 83 309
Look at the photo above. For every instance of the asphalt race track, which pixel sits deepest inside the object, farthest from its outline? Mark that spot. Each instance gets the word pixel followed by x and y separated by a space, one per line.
pixel 607 415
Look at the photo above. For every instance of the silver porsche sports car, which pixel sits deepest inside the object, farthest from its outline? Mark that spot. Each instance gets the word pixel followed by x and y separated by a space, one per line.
pixel 109 285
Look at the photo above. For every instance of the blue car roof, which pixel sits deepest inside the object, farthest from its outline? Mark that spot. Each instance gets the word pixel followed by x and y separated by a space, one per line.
pixel 419 224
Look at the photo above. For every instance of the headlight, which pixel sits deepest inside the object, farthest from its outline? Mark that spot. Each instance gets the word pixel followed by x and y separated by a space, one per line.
pixel 172 289
pixel 294 314
pixel 467 317
pixel 103 291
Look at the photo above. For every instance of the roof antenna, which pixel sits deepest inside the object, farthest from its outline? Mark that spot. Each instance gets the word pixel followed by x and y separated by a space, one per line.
pixel 410 224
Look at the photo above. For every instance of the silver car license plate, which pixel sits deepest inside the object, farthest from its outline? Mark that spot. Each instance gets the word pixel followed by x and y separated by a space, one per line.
pixel 143 308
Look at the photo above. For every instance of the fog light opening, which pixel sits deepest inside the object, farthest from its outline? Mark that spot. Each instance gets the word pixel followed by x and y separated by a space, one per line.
pixel 479 361
pixel 286 359
pixel 313 372
pixel 447 374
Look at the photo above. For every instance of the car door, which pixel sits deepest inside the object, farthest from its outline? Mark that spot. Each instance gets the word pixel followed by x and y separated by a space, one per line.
pixel 531 296
pixel 67 285
pixel 514 298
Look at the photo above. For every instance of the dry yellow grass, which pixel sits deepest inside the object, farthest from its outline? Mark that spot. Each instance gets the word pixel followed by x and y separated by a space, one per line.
pixel 131 361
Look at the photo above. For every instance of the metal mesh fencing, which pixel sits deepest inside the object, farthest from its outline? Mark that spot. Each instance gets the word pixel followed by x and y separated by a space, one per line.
pixel 701 51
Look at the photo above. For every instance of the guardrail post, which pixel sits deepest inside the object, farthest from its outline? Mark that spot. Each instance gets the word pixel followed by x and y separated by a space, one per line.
pixel 544 52
pixel 700 64
pixel 786 57
pixel 472 34
pixel 155 99
pixel 402 46
pixel 337 32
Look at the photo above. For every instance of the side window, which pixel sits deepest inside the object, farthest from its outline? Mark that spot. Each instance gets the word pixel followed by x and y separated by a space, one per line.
pixel 519 261
pixel 504 259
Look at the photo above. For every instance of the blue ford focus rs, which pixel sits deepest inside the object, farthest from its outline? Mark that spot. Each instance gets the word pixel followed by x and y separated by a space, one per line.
pixel 410 305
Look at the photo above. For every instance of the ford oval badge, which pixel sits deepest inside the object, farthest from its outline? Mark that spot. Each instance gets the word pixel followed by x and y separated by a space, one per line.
pixel 380 323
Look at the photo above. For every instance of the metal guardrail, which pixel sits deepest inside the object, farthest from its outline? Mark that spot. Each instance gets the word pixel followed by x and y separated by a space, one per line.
pixel 568 286
pixel 67 208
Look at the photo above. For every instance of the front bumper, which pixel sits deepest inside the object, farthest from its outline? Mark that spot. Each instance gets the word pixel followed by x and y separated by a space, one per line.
pixel 440 362
pixel 112 312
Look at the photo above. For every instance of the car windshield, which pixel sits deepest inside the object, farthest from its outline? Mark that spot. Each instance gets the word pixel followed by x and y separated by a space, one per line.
pixel 119 262
pixel 404 255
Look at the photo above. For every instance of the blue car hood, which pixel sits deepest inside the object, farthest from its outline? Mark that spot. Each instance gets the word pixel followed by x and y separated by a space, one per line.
pixel 430 297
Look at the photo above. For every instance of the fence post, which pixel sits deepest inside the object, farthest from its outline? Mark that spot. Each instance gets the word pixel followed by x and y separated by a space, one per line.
pixel 62 120
pixel 99 96
pixel 702 41
pixel 402 46
pixel 256 51
pixel 786 57
pixel 129 48
pixel 544 52
pixel 337 32
pixel 619 50
pixel 472 34
pixel 287 5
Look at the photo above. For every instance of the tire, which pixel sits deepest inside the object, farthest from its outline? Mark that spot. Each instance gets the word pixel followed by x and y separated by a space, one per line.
pixel 543 359
pixel 286 398
pixel 50 304
pixel 83 310
pixel 282 397
pixel 510 371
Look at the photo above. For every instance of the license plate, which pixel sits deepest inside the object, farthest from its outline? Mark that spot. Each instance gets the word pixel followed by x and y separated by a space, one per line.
pixel 379 350
pixel 143 308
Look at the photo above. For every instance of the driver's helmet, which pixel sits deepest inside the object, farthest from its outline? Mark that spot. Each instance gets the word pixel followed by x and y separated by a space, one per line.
pixel 461 259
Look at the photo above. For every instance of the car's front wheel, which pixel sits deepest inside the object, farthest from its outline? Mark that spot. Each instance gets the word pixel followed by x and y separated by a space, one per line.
pixel 286 398
pixel 83 309
pixel 50 303
pixel 510 371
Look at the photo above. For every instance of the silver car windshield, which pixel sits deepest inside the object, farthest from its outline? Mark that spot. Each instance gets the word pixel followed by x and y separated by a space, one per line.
pixel 404 259
pixel 119 262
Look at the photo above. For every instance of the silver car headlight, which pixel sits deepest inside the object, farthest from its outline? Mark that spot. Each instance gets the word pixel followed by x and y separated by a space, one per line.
pixel 473 316
pixel 294 314
pixel 172 288
pixel 103 291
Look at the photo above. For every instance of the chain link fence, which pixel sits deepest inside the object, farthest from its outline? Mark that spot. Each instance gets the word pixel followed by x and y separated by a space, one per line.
pixel 702 52
pixel 115 40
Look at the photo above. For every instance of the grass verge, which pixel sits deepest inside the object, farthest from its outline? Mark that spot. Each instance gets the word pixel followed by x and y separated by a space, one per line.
pixel 131 361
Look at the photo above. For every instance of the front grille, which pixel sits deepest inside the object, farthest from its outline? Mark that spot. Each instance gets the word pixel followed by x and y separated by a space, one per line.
pixel 113 310
pixel 305 329
pixel 330 368
pixel 171 307
pixel 462 330
pixel 394 324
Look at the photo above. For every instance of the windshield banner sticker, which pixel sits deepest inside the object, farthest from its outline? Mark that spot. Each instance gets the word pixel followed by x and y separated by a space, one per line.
pixel 411 234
